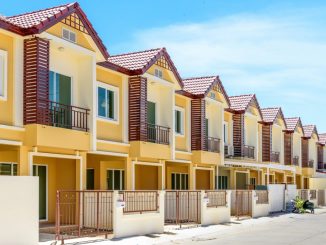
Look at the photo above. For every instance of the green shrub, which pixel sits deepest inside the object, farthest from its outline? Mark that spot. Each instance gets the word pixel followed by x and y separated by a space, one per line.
pixel 298 203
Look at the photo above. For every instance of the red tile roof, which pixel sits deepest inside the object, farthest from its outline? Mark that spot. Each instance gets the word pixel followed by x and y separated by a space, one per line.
pixel 322 139
pixel 270 114
pixel 33 19
pixel 200 86
pixel 137 63
pixel 241 103
pixel 309 130
pixel 38 21
pixel 292 123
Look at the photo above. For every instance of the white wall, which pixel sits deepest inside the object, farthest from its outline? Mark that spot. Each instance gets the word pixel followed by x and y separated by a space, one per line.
pixel 259 210
pixel 290 193
pixel 215 215
pixel 276 197
pixel 297 146
pixel 19 222
pixel 125 225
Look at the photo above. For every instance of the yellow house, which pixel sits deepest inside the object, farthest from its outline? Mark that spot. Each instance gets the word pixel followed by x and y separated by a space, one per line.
pixel 48 98
pixel 204 99
pixel 293 148
pixel 143 136
pixel 322 153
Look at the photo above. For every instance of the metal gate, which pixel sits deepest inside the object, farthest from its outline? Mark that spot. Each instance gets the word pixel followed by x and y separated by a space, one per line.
pixel 182 207
pixel 83 213
pixel 321 198
pixel 241 203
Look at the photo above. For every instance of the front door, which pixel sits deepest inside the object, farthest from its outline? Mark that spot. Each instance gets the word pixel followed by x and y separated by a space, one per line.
pixel 41 172
pixel 90 179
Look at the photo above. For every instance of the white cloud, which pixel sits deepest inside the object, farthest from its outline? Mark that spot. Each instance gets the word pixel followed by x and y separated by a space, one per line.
pixel 280 57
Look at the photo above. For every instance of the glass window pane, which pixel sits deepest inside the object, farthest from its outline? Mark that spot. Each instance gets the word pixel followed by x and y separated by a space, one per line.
pixel 90 179
pixel 5 169
pixel 64 89
pixel 110 180
pixel 178 181
pixel 101 102
pixel 178 121
pixel 110 105
pixel 51 86
pixel 183 182
pixel 117 179
pixel 173 181
pixel 123 180
pixel 15 169
pixel 187 188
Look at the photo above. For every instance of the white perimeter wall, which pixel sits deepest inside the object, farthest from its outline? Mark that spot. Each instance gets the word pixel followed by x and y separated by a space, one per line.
pixel 19 210
pixel 259 210
pixel 135 224
pixel 215 215
pixel 276 197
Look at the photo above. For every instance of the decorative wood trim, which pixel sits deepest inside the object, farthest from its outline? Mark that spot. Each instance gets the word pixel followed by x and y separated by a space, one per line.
pixel 198 125
pixel 288 143
pixel 238 134
pixel 305 152
pixel 137 108
pixel 266 142
pixel 36 80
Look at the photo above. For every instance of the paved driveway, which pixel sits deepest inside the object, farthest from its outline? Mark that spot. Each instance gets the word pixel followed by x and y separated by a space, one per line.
pixel 284 229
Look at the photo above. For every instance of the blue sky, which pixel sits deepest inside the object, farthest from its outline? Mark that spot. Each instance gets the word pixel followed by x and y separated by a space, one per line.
pixel 275 49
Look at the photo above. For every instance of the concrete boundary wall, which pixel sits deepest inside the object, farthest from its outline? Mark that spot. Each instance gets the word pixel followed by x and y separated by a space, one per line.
pixel 260 210
pixel 276 197
pixel 19 204
pixel 135 224
pixel 215 215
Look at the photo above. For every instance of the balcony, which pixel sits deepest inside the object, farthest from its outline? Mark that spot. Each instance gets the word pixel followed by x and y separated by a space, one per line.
pixel 158 134
pixel 213 144
pixel 295 161
pixel 275 157
pixel 54 114
pixel 249 151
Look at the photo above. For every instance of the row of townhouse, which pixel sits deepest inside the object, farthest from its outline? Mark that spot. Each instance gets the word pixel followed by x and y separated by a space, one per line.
pixel 79 118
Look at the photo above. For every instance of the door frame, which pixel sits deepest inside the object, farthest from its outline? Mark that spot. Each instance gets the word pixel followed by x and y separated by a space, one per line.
pixel 47 191
pixel 121 182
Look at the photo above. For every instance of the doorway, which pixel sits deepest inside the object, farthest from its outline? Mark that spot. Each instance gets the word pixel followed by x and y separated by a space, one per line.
pixel 241 181
pixel 42 172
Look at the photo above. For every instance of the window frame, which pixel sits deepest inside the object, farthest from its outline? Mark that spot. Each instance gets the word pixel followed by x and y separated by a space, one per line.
pixel 159 71
pixel 69 31
pixel 4 56
pixel 186 179
pixel 225 133
pixel 223 180
pixel 121 184
pixel 115 91
pixel 11 168
pixel 182 126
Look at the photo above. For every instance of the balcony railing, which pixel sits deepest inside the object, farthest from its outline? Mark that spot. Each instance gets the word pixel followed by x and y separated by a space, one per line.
pixel 249 151
pixel 158 134
pixel 213 144
pixel 310 164
pixel 321 166
pixel 295 161
pixel 275 156
pixel 60 115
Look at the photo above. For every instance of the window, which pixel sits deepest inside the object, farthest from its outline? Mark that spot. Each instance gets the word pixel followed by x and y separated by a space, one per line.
pixel 115 179
pixel 222 182
pixel 3 74
pixel 158 73
pixel 60 88
pixel 107 102
pixel 252 181
pixel 69 35
pixel 8 169
pixel 179 121
pixel 225 131
pixel 90 179
pixel 179 181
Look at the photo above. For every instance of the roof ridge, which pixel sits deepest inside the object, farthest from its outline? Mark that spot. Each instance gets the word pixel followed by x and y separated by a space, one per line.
pixel 136 52
pixel 268 108
pixel 193 78
pixel 36 11
pixel 242 95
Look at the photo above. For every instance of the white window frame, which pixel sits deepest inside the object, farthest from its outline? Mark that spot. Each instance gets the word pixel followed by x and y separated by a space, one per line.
pixel 4 79
pixel 11 168
pixel 55 85
pixel 69 31
pixel 182 110
pixel 226 133
pixel 159 73
pixel 115 90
